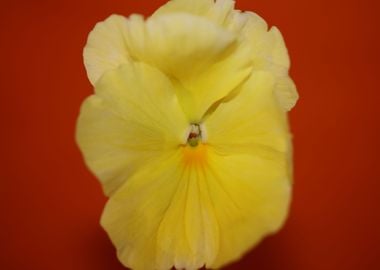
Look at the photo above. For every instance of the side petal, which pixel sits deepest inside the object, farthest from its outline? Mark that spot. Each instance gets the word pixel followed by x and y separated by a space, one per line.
pixel 250 121
pixel 133 118
pixel 206 65
pixel 105 49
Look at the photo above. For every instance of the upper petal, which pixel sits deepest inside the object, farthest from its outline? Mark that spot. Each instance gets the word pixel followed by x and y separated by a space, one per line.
pixel 202 58
pixel 269 53
pixel 134 117
pixel 206 65
pixel 268 50
pixel 217 11
pixel 269 46
pixel 175 44
pixel 286 92
pixel 196 7
pixel 105 49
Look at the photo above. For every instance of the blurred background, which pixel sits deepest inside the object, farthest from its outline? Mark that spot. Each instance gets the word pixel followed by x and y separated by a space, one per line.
pixel 50 203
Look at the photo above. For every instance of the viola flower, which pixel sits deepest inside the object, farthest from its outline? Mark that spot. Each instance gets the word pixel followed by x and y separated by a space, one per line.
pixel 187 132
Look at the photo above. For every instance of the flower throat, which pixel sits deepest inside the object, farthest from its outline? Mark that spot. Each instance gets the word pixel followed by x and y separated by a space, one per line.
pixel 195 135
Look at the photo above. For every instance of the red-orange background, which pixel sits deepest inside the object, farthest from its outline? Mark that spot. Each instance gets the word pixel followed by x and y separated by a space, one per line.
pixel 50 203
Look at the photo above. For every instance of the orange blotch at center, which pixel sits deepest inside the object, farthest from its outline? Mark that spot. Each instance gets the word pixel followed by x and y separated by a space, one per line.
pixel 195 156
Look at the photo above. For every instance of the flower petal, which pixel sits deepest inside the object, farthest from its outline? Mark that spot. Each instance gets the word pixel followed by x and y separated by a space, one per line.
pixel 251 197
pixel 217 11
pixel 250 121
pixel 188 236
pixel 270 54
pixel 105 49
pixel 128 122
pixel 268 50
pixel 221 11
pixel 172 213
pixel 195 7
pixel 174 44
pixel 162 217
pixel 133 214
pixel 286 92
pixel 206 64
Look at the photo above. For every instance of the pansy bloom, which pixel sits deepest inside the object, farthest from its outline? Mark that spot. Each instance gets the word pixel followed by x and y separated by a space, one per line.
pixel 187 132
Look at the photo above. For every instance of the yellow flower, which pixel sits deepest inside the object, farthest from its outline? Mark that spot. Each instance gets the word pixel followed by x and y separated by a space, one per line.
pixel 187 132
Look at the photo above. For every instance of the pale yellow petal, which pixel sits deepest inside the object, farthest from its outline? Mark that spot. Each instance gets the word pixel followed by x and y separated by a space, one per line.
pixel 134 213
pixel 267 48
pixel 217 11
pixel 236 21
pixel 221 11
pixel 206 64
pixel 286 92
pixel 163 217
pixel 133 118
pixel 249 121
pixel 269 53
pixel 105 49
pixel 199 93
pixel 188 236
pixel 195 7
pixel 279 51
pixel 196 207
pixel 173 244
pixel 251 195
pixel 170 215
pixel 175 44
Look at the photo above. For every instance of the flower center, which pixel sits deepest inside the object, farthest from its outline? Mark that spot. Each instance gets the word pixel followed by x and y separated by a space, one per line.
pixel 195 135
pixel 195 150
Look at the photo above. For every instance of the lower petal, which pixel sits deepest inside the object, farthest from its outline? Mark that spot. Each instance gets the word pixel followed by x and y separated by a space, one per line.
pixel 134 213
pixel 179 212
pixel 251 197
